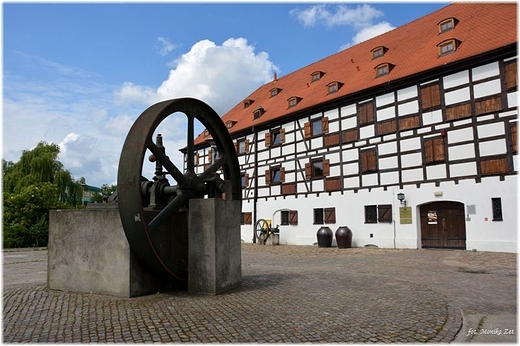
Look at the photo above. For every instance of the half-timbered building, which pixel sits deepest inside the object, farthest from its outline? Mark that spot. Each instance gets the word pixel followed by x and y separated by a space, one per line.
pixel 409 138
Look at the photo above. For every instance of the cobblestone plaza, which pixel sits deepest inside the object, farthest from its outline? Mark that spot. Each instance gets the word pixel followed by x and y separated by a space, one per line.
pixel 290 294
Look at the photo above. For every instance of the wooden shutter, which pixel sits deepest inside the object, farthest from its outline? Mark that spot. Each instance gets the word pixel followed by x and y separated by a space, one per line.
pixel 282 174
pixel 268 139
pixel 434 150
pixel 308 170
pixel 325 125
pixel 330 215
pixel 246 180
pixel 236 147
pixel 514 135
pixel 510 74
pixel 430 96
pixel 384 213
pixel 210 157
pixel 366 113
pixel 268 177
pixel 248 218
pixel 368 161
pixel 293 217
pixel 246 146
pixel 196 159
pixel 307 130
pixel 326 168
pixel 494 166
pixel 282 135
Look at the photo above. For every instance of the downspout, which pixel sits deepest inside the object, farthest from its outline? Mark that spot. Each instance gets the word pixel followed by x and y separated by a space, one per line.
pixel 255 198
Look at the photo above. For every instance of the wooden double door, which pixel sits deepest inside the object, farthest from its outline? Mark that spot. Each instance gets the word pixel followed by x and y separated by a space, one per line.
pixel 443 225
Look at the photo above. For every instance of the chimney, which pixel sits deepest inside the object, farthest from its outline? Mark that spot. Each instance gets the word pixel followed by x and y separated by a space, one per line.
pixel 275 77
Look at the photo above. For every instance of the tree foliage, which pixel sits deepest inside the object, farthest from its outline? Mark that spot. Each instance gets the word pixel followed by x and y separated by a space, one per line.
pixel 31 187
pixel 103 194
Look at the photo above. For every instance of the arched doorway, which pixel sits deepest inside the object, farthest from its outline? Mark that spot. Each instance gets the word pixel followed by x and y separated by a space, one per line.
pixel 443 225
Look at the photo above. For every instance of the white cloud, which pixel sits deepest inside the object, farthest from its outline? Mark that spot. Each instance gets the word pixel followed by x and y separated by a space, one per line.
pixel 361 18
pixel 368 33
pixel 218 75
pixel 358 17
pixel 47 101
pixel 166 46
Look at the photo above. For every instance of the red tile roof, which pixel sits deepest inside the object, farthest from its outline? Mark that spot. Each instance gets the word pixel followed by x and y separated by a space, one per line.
pixel 412 48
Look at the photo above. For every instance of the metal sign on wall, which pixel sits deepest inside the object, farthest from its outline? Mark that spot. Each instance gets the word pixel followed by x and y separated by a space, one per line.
pixel 405 215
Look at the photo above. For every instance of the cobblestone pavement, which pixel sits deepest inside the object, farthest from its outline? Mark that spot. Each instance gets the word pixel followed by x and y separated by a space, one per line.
pixel 290 294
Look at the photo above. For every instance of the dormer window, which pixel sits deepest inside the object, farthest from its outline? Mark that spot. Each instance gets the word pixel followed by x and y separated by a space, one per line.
pixel 293 101
pixel 275 91
pixel 230 124
pixel 333 87
pixel 316 76
pixel 247 103
pixel 378 52
pixel 448 46
pixel 383 69
pixel 447 24
pixel 258 113
pixel 206 133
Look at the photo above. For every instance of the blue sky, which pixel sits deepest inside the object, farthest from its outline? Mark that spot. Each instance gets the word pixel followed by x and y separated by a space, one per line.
pixel 80 74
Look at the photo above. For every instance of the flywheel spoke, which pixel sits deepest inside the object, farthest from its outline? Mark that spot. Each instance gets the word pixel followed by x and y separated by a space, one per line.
pixel 213 168
pixel 170 167
pixel 177 202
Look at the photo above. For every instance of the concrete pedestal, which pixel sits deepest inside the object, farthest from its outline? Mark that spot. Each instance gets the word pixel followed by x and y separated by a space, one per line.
pixel 89 252
pixel 214 258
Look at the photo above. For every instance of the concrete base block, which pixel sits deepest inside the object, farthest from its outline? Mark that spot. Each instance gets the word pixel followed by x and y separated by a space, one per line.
pixel 89 252
pixel 214 256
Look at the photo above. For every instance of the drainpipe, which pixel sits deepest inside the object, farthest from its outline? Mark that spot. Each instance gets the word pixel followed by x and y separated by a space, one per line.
pixel 255 198
pixel 397 213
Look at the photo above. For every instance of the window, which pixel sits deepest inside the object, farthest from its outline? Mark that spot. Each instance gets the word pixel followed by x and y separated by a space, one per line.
pixel 316 127
pixel 248 103
pixel 370 213
pixel 366 113
pixel 497 209
pixel 434 150
pixel 274 138
pixel 448 46
pixel 383 69
pixel 378 52
pixel 332 87
pixel 447 24
pixel 244 179
pixel 275 175
pixel 293 101
pixel 242 146
pixel 324 215
pixel 246 218
pixel 275 91
pixel 430 96
pixel 258 113
pixel 384 213
pixel 206 133
pixel 317 168
pixel 289 217
pixel 369 161
pixel 316 76
pixel 230 124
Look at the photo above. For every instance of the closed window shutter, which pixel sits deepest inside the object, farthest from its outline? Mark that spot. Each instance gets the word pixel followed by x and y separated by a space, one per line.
pixel 430 96
pixel 325 125
pixel 330 215
pixel 282 135
pixel 210 157
pixel 385 213
pixel 366 113
pixel 282 174
pixel 248 218
pixel 307 130
pixel 293 217
pixel 268 177
pixel 368 161
pixel 434 150
pixel 326 168
pixel 268 139
pixel 308 171
pixel 246 146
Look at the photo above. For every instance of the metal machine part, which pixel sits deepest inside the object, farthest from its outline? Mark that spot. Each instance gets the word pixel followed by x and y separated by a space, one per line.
pixel 146 205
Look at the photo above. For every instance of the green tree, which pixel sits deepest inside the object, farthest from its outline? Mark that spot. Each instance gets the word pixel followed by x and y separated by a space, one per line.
pixel 31 187
pixel 103 194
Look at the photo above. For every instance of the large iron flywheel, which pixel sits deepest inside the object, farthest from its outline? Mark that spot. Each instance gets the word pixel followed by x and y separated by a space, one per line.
pixel 154 211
